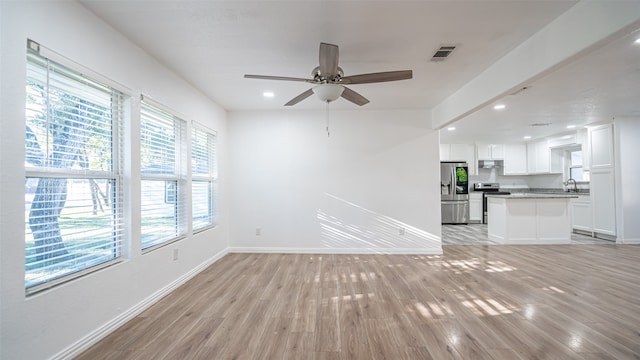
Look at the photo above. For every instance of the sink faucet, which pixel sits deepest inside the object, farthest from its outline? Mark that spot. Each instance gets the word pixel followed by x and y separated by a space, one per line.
pixel 575 185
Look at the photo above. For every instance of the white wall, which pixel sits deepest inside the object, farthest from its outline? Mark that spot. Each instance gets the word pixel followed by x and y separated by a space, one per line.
pixel 351 192
pixel 45 324
pixel 627 148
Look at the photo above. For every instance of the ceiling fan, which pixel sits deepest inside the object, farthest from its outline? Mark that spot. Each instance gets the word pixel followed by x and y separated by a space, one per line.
pixel 330 80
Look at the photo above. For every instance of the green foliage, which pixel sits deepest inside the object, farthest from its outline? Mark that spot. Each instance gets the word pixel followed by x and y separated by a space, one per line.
pixel 461 174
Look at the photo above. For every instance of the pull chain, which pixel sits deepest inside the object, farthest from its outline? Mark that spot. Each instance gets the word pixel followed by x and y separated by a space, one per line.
pixel 328 119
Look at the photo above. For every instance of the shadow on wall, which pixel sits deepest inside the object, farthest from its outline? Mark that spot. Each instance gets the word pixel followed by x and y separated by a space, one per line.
pixel 345 225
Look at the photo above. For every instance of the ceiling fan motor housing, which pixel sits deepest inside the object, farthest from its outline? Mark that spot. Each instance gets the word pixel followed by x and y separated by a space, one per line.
pixel 319 78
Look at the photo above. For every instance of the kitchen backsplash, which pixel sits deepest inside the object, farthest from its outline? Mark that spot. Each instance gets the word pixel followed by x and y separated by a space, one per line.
pixel 549 181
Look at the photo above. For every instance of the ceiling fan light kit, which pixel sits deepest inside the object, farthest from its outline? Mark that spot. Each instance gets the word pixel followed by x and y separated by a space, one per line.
pixel 328 92
pixel 329 79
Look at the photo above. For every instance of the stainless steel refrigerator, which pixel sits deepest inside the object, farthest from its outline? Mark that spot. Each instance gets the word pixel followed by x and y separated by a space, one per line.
pixel 454 190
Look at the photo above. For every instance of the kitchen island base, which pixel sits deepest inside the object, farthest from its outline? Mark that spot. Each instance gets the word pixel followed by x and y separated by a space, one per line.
pixel 529 219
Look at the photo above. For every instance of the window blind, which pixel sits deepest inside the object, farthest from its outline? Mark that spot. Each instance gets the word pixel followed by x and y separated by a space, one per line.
pixel 73 185
pixel 163 168
pixel 203 174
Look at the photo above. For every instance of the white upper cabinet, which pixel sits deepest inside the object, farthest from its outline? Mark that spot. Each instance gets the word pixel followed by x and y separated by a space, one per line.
pixel 459 152
pixel 497 151
pixel 583 140
pixel 601 141
pixel 466 153
pixel 445 152
pixel 515 159
pixel 538 156
pixel 490 151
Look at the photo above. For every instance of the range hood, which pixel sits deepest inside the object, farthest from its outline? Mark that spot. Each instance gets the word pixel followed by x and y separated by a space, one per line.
pixel 489 164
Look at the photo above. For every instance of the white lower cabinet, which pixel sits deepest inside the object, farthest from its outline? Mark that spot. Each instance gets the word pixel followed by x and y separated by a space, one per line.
pixel 581 214
pixel 475 207
pixel 603 201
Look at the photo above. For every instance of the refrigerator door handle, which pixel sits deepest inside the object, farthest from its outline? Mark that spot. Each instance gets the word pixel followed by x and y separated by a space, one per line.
pixel 454 181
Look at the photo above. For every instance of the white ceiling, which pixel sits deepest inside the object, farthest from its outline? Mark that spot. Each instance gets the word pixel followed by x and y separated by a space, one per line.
pixel 212 44
pixel 597 87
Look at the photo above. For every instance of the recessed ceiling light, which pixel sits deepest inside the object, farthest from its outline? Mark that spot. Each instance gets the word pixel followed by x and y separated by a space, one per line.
pixel 637 42
pixel 268 94
pixel 451 128
pixel 570 126
pixel 499 106
pixel 527 137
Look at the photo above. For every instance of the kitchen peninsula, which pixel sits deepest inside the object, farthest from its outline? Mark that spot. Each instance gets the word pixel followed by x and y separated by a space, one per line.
pixel 529 218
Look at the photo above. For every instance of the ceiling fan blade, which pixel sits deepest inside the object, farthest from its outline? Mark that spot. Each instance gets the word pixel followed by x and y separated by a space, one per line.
pixel 354 97
pixel 378 77
pixel 299 98
pixel 328 60
pixel 285 78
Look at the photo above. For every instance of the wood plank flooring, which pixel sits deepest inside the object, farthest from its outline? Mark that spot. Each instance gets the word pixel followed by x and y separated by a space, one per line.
pixel 476 234
pixel 472 302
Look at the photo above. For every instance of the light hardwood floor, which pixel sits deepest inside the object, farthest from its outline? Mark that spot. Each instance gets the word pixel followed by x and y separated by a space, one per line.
pixel 473 302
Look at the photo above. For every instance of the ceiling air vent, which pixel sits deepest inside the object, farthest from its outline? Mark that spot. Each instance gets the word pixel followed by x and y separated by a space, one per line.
pixel 443 52
pixel 539 124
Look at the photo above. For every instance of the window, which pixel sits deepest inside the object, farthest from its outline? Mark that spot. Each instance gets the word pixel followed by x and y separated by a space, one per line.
pixel 162 150
pixel 203 185
pixel 575 167
pixel 73 185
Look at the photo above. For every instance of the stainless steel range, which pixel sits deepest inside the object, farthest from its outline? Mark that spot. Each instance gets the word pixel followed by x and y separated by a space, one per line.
pixel 485 188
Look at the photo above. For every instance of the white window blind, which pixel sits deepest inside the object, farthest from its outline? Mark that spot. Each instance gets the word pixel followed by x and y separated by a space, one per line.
pixel 73 185
pixel 163 166
pixel 204 179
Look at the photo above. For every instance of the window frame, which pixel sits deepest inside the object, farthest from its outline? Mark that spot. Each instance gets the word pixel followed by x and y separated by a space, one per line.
pixel 211 177
pixel 178 176
pixel 39 58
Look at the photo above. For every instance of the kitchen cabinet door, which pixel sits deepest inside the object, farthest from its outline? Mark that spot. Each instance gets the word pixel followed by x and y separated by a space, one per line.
pixel 601 138
pixel 445 152
pixel 515 159
pixel 583 140
pixel 538 156
pixel 581 214
pixel 490 151
pixel 497 152
pixel 542 158
pixel 465 152
pixel 475 207
pixel 603 201
pixel 531 158
pixel 483 151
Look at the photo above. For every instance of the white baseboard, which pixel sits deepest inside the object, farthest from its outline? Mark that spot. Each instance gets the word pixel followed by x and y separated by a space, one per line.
pixel 92 338
pixel 630 241
pixel 390 251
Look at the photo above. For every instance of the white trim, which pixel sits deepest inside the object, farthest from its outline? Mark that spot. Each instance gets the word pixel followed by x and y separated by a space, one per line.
pixel 364 250
pixel 79 68
pixel 205 128
pixel 630 241
pixel 101 332
pixel 149 100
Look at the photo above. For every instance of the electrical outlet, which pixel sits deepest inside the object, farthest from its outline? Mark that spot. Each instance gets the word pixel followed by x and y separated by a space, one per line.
pixel 258 231
pixel 175 254
pixel 401 231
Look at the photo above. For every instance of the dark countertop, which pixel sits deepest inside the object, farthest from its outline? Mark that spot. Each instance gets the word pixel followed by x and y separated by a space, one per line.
pixel 563 195
pixel 545 191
